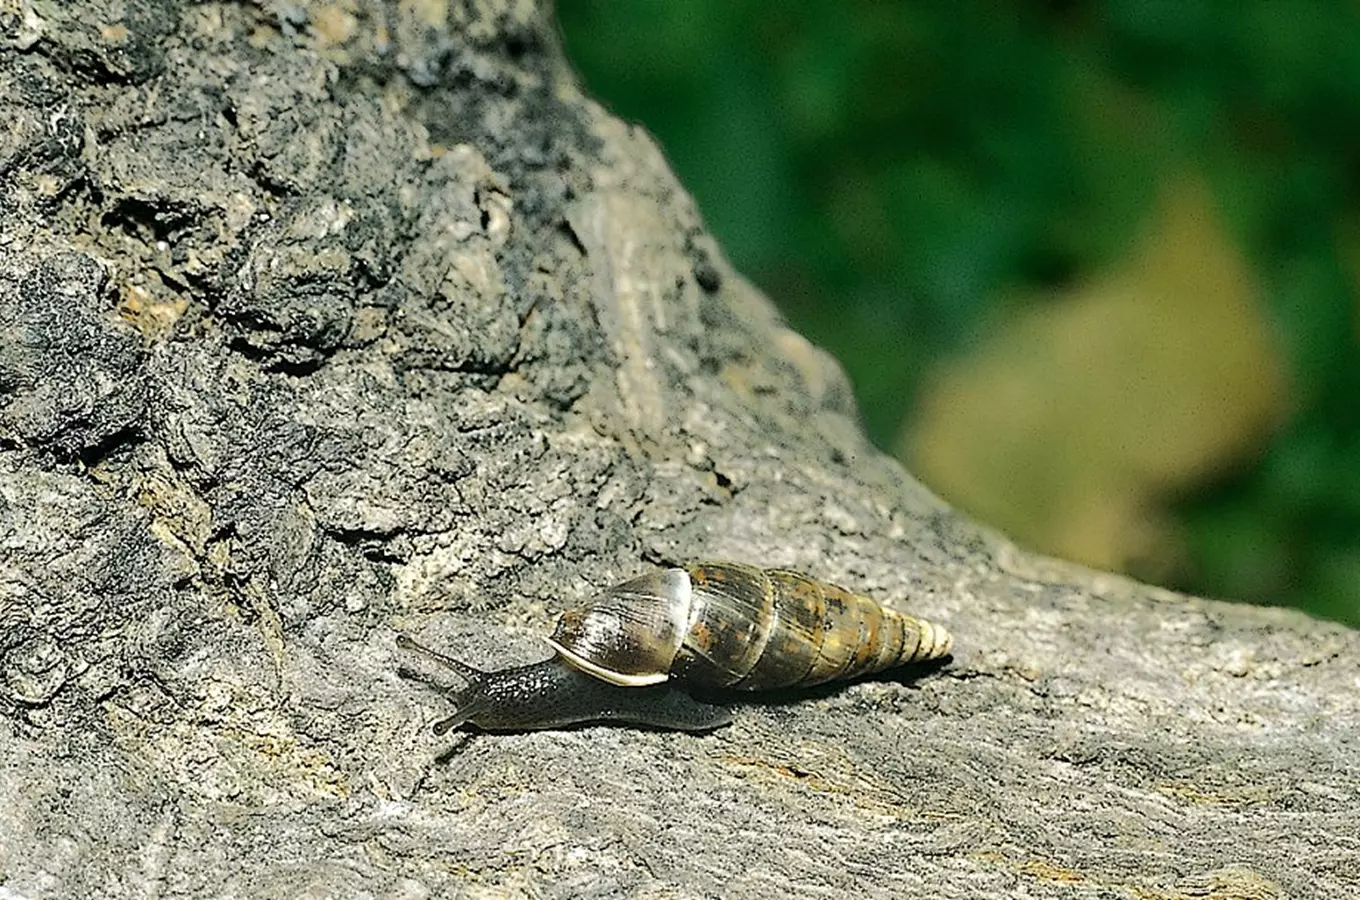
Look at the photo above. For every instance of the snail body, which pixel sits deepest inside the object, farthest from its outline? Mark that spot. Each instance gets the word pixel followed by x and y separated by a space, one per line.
pixel 629 653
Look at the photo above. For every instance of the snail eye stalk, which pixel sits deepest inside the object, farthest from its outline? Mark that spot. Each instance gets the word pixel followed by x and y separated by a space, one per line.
pixel 468 673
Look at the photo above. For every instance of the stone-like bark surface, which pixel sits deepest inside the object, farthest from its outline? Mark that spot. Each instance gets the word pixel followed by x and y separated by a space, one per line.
pixel 322 323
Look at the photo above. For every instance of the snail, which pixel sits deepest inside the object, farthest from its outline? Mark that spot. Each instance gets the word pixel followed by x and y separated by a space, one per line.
pixel 624 655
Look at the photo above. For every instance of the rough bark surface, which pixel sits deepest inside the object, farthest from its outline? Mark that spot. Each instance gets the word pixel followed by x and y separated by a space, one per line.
pixel 321 323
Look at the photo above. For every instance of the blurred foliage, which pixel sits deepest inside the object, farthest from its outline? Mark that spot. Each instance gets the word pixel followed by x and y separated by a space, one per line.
pixel 1093 268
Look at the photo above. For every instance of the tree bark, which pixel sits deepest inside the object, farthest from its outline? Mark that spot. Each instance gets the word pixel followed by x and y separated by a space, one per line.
pixel 321 323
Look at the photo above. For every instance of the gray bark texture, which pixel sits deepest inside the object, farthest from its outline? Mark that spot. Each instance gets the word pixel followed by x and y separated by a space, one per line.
pixel 322 323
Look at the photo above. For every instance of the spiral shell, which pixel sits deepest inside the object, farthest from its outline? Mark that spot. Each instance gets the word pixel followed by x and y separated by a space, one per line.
pixel 739 627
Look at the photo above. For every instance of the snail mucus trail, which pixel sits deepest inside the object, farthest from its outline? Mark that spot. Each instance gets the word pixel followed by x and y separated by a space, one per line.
pixel 630 654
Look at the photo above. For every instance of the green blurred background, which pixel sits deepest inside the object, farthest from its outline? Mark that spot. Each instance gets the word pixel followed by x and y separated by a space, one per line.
pixel 1093 268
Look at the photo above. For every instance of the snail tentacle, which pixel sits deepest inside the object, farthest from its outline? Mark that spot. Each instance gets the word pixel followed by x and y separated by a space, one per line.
pixel 461 669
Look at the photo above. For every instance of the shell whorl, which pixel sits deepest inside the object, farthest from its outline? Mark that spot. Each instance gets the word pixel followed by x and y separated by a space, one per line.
pixel 808 631
pixel 630 634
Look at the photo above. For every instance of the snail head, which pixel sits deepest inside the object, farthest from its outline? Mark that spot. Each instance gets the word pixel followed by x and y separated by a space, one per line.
pixel 467 701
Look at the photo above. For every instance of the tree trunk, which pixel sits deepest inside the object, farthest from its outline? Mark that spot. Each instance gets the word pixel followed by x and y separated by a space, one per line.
pixel 323 323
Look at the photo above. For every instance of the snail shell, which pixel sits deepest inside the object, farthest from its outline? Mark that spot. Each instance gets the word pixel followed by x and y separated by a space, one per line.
pixel 739 627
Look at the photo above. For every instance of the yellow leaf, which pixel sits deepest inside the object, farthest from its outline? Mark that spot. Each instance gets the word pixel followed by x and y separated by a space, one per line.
pixel 1076 419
